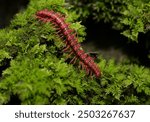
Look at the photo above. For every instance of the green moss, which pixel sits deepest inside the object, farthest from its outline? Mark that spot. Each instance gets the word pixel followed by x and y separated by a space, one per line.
pixel 38 73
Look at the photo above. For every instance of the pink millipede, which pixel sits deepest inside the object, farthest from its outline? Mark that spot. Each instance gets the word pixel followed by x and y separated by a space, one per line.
pixel 63 29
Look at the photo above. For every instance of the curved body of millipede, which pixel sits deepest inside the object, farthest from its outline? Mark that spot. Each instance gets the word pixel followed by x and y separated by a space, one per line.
pixel 64 31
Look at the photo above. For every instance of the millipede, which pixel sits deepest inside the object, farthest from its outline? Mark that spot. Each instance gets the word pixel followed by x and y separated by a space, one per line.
pixel 86 62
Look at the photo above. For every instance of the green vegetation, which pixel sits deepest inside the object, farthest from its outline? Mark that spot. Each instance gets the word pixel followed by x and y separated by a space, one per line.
pixel 34 68
pixel 129 16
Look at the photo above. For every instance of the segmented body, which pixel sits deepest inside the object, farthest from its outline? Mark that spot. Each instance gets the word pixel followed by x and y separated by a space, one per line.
pixel 85 61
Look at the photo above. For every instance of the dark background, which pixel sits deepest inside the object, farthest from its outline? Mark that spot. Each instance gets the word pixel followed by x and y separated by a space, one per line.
pixel 8 8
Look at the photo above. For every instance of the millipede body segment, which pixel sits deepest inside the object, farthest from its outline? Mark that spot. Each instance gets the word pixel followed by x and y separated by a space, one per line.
pixel 69 36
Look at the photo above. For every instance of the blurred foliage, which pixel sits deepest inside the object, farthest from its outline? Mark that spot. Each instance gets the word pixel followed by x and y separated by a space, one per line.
pixel 34 69
pixel 130 16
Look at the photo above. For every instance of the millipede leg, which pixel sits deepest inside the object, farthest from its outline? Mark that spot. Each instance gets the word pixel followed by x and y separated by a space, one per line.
pixel 69 54
pixel 61 36
pixel 87 70
pixel 91 73
pixel 81 65
pixel 85 67
pixel 66 48
pixel 73 61
pixel 58 32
